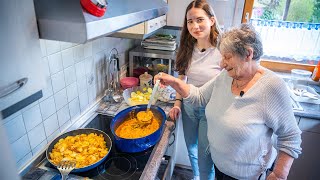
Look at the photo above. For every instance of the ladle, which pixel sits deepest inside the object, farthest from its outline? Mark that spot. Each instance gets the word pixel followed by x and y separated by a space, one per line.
pixel 145 117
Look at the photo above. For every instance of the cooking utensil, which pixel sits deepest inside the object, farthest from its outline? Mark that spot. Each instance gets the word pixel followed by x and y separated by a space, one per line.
pixel 107 139
pixel 138 144
pixel 65 167
pixel 145 117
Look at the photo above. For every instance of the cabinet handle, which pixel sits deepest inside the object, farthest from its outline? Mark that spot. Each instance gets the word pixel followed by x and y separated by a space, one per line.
pixel 13 87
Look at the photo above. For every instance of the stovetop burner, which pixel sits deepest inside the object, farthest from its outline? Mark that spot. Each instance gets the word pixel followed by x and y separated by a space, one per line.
pixel 118 165
pixel 122 166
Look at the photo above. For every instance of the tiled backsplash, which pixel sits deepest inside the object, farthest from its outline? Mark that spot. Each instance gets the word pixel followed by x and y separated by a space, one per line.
pixel 75 77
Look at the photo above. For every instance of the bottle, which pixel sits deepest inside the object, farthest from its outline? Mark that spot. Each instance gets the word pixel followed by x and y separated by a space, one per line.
pixel 316 72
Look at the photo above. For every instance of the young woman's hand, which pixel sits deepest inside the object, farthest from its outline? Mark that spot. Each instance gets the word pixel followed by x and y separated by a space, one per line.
pixel 174 112
pixel 165 79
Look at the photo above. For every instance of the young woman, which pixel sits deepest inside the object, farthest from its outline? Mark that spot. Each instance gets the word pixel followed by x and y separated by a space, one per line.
pixel 197 61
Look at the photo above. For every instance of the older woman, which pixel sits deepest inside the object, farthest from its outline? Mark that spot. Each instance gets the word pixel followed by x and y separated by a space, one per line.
pixel 245 105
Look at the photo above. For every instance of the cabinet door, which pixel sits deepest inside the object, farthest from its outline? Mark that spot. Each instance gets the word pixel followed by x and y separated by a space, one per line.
pixel 307 165
pixel 20 51
pixel 310 125
pixel 228 12
pixel 175 15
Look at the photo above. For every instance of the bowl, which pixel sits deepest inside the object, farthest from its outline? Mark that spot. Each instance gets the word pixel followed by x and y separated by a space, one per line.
pixel 128 82
pixel 127 95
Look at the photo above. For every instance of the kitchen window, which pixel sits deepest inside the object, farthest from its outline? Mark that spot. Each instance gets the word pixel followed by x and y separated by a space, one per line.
pixel 290 31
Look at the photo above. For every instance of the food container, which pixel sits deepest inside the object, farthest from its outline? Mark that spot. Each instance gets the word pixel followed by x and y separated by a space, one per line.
pixel 145 80
pixel 299 74
pixel 107 139
pixel 128 82
pixel 127 94
pixel 138 144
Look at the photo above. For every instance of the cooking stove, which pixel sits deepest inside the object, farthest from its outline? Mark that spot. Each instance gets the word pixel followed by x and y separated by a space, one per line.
pixel 118 165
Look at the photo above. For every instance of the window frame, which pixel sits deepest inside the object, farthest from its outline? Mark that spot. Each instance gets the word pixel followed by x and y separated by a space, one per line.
pixel 273 64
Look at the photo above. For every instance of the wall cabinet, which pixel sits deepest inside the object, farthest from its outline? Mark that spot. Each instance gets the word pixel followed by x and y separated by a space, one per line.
pixel 228 12
pixel 148 26
pixel 306 166
pixel 20 52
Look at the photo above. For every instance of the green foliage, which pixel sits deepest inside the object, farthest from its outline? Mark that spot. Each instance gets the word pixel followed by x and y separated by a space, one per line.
pixel 268 14
pixel 316 12
pixel 300 10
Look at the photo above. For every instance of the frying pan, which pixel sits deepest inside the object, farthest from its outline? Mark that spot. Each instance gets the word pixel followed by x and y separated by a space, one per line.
pixel 107 139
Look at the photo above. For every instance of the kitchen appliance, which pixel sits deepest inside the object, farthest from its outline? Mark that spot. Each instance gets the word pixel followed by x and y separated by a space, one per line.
pixel 67 21
pixel 95 7
pixel 153 61
pixel 138 144
pixel 117 166
pixel 78 132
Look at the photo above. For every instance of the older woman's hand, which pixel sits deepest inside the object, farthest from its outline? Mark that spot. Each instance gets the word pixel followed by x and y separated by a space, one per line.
pixel 165 79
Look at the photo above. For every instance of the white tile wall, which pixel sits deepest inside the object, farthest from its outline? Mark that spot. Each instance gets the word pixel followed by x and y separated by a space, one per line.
pixel 32 117
pixel 60 98
pixel 36 135
pixel 58 82
pixel 75 76
pixel 51 124
pixel 70 75
pixel 55 63
pixel 63 115
pixel 21 147
pixel 15 128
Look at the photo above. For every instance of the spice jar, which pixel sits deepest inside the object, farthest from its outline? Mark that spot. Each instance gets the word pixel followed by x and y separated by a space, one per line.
pixel 145 80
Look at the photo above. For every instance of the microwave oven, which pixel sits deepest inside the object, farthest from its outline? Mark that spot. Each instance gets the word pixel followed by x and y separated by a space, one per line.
pixel 152 61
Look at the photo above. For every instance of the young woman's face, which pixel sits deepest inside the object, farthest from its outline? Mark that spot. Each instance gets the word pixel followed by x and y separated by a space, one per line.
pixel 199 23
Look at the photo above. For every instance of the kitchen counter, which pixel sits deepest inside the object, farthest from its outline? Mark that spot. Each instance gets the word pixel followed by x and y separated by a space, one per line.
pixel 309 110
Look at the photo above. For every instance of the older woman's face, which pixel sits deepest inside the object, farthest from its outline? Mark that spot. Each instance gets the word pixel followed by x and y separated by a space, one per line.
pixel 234 64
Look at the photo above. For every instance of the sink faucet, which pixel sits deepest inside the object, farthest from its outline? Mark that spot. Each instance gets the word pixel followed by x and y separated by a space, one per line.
pixel 113 86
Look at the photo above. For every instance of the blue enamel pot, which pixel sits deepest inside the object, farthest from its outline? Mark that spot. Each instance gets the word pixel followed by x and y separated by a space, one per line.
pixel 138 144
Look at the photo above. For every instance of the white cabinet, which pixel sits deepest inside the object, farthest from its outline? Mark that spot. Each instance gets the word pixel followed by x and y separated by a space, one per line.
pixel 142 30
pixel 228 12
pixel 148 26
pixel 20 51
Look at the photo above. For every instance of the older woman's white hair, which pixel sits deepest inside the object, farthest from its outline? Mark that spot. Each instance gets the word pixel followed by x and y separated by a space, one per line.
pixel 237 40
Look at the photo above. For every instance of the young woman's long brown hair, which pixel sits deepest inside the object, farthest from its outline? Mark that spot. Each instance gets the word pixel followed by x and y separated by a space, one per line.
pixel 187 42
